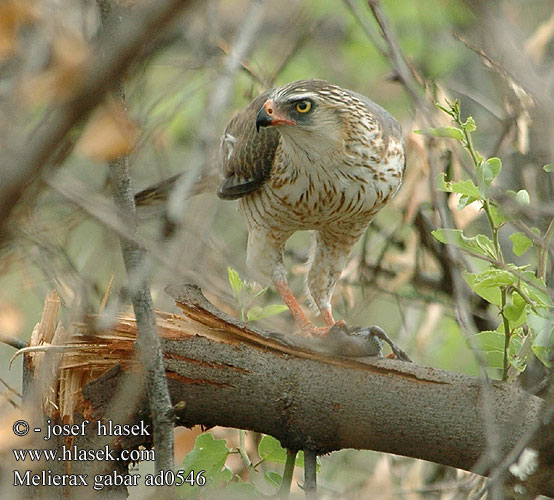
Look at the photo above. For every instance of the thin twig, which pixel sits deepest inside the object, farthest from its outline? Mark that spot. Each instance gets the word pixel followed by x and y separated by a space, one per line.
pixel 148 343
pixel 310 478
pixel 491 62
pixel 300 40
pixel 246 66
pixel 242 451
pixel 284 490
pixel 10 388
pixel 395 55
pixel 368 30
pixel 531 433
pixel 544 249
pixel 54 348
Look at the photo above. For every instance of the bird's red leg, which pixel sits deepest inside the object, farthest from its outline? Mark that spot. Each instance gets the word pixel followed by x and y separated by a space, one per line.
pixel 306 326
pixel 327 316
pixel 290 300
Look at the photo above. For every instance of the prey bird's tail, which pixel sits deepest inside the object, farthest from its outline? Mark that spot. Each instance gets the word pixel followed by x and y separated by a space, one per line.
pixel 159 193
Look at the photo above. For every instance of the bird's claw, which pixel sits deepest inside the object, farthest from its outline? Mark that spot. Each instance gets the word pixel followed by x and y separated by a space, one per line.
pixel 310 330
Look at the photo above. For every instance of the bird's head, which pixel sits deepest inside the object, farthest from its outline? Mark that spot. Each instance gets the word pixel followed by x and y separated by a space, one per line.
pixel 309 114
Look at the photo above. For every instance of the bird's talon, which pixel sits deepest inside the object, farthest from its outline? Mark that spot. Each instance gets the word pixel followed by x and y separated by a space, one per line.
pixel 311 330
pixel 315 331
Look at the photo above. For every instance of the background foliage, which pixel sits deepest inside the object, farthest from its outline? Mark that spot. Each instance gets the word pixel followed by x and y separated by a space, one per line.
pixel 398 277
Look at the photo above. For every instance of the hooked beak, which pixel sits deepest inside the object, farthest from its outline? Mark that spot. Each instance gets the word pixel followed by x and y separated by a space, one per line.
pixel 269 116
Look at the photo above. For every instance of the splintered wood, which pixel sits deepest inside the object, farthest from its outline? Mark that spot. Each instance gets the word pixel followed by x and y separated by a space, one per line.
pixel 63 361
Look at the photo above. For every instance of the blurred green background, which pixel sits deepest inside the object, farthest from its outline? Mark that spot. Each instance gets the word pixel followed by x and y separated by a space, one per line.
pixel 58 246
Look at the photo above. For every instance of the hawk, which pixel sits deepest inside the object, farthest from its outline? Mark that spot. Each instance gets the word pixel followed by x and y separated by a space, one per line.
pixel 309 156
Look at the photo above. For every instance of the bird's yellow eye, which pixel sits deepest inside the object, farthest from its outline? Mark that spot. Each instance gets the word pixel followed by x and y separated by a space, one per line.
pixel 303 106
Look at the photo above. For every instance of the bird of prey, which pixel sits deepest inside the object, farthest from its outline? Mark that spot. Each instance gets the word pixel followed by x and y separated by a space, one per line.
pixel 309 156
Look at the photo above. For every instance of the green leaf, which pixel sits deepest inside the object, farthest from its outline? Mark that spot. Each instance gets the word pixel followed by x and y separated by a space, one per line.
pixel 494 359
pixel 543 345
pixel 547 167
pixel 234 280
pixel 540 323
pixel 448 132
pixel 487 171
pixel 516 357
pixel 237 489
pixel 270 450
pixel 465 201
pixel 452 236
pixel 493 296
pixel 491 345
pixel 487 284
pixel 486 244
pixel 521 243
pixel 488 340
pixel 522 197
pixel 257 313
pixel 469 125
pixel 495 277
pixel 442 184
pixel 515 311
pixel 479 244
pixel 466 188
pixel 535 287
pixel 209 454
pixel 453 108
pixel 260 292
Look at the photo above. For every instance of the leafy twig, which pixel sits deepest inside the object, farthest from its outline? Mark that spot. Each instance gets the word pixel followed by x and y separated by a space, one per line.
pixel 519 294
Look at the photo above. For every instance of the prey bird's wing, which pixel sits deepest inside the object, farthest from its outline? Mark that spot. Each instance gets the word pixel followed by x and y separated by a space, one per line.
pixel 246 155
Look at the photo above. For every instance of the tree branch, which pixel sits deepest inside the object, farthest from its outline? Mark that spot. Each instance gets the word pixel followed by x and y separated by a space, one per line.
pixel 230 374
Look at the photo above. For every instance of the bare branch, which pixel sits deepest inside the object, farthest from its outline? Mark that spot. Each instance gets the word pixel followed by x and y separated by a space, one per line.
pixel 310 483
pixel 395 55
pixel 148 344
